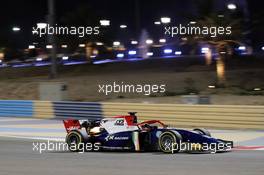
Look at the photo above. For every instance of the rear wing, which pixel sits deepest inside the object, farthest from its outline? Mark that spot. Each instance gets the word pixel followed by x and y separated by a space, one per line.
pixel 71 125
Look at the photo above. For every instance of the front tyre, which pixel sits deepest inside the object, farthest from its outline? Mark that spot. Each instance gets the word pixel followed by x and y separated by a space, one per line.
pixel 74 140
pixel 169 142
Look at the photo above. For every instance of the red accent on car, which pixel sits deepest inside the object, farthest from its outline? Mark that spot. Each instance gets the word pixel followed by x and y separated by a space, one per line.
pixel 152 122
pixel 71 125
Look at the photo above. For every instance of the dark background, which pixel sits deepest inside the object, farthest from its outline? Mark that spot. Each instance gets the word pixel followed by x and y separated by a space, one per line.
pixel 137 14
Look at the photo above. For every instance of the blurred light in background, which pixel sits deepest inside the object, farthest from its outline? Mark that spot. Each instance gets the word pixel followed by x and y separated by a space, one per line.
pixel 208 56
pixel 162 40
pixel 120 55
pixel 257 89
pixel 65 58
pixel 134 42
pixel 242 48
pixel 116 43
pixel 2 55
pixel 0 61
pixel 192 22
pixel 165 20
pixel 31 47
pixel 39 59
pixel 211 87
pixel 41 25
pixel 95 52
pixel 262 48
pixel 157 22
pixel 178 52
pixel 99 43
pixel 150 54
pixel 105 22
pixel 16 29
pixel 123 26
pixel 231 6
pixel 204 49
pixel 132 52
pixel 167 51
pixel 149 41
pixel 220 70
pixel 49 46
pixel 81 45
pixel 64 46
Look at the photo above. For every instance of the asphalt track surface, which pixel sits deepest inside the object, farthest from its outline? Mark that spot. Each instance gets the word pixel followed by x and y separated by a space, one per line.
pixel 17 157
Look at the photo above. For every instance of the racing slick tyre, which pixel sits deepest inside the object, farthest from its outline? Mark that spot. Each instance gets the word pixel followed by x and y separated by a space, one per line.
pixel 202 131
pixel 169 142
pixel 74 140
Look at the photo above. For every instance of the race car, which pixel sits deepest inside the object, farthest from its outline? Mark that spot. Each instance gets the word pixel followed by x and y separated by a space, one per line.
pixel 127 134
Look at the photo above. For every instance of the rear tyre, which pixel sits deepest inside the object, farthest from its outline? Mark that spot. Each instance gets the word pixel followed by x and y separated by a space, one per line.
pixel 74 140
pixel 169 142
pixel 202 131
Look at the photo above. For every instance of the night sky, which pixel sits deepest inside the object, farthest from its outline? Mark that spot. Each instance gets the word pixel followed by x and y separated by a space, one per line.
pixel 27 13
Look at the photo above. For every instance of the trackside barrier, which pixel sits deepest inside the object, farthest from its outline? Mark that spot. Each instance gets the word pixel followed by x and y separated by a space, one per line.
pixel 208 116
pixel 16 108
pixel 50 110
pixel 77 110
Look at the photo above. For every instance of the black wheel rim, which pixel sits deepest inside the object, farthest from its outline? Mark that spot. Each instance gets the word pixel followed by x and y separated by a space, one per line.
pixel 167 142
pixel 73 140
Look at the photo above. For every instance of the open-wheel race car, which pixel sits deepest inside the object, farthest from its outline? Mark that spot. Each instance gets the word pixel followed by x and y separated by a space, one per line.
pixel 125 133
